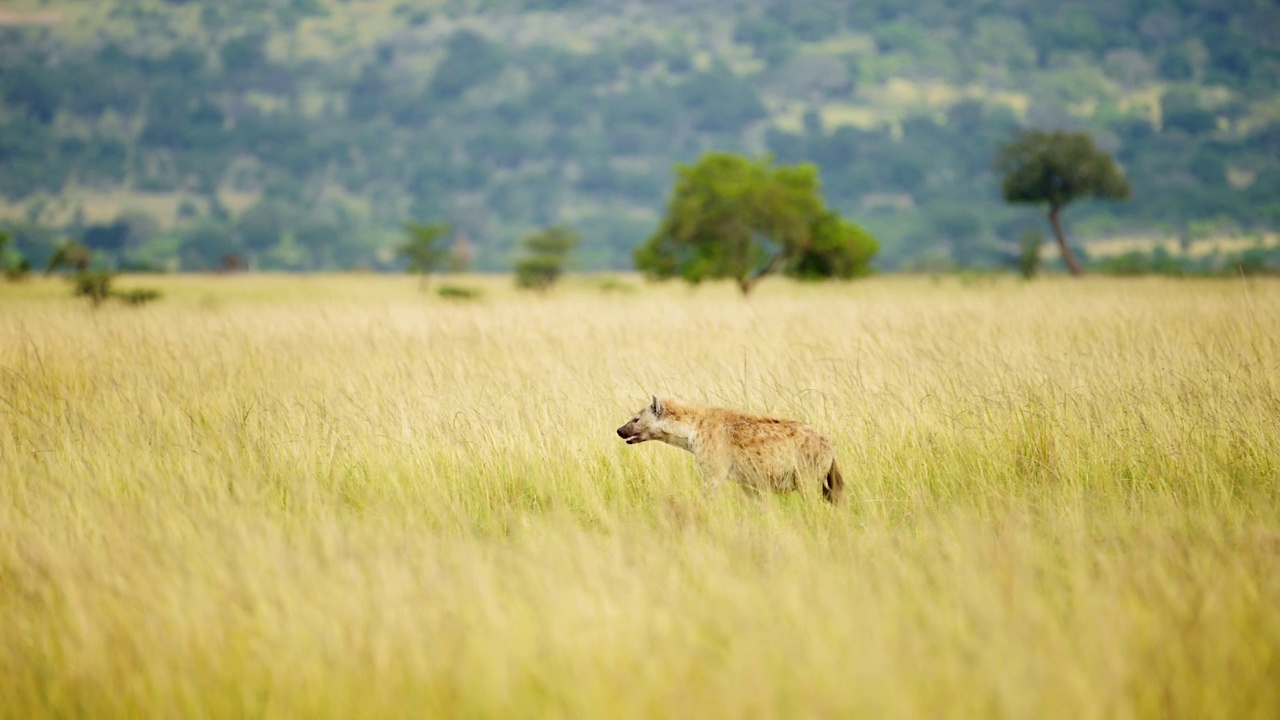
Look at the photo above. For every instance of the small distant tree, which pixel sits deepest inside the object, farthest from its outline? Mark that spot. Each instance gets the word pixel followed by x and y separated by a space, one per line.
pixel 93 284
pixel 70 254
pixel 424 249
pixel 741 219
pixel 544 255
pixel 1056 169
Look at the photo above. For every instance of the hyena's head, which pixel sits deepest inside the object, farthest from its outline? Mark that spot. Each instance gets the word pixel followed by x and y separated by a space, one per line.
pixel 646 425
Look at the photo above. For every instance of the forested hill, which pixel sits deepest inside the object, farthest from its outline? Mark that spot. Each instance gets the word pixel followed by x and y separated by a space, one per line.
pixel 303 133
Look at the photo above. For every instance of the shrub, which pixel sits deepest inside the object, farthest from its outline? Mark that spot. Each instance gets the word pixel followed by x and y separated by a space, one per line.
pixel 1256 261
pixel 1029 259
pixel 93 284
pixel 138 296
pixel 609 285
pixel 1135 263
pixel 18 271
pixel 457 292
pixel 96 285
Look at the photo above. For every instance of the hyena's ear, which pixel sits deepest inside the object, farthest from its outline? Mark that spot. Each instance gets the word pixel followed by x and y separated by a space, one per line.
pixel 656 407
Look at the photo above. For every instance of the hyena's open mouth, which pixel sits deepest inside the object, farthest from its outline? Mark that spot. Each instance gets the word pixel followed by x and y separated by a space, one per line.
pixel 632 438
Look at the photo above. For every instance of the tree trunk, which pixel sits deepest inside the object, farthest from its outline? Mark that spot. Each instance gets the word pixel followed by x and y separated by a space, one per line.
pixel 1068 257
pixel 746 283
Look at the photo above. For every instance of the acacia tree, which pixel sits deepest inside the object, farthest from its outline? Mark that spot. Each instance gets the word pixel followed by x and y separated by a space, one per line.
pixel 424 249
pixel 741 219
pixel 544 255
pixel 69 254
pixel 1057 168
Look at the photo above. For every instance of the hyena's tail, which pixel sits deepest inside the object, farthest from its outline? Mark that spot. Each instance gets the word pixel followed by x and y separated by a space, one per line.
pixel 833 484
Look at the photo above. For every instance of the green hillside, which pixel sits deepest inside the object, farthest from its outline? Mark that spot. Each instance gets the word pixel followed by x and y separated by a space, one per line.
pixel 302 133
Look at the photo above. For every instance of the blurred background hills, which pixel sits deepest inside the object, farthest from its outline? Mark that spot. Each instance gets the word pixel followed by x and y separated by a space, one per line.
pixel 302 134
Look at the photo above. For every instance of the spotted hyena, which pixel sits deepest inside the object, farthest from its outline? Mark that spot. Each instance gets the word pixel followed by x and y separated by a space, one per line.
pixel 755 451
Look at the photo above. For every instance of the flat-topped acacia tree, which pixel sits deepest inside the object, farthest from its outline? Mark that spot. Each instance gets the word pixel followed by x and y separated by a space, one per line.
pixel 1058 168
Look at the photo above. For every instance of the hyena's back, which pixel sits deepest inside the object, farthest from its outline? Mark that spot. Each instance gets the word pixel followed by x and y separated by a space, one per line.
pixel 775 453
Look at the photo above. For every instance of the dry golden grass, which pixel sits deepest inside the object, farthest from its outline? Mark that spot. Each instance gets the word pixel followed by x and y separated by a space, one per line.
pixel 335 497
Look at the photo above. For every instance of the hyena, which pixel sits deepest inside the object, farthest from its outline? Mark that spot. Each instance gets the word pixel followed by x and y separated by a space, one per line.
pixel 756 451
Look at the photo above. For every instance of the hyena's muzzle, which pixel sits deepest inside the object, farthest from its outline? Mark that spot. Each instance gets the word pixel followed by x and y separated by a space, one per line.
pixel 632 433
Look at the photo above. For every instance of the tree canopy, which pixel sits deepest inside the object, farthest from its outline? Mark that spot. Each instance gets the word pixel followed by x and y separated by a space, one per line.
pixel 69 254
pixel 424 248
pixel 544 255
pixel 733 217
pixel 838 248
pixel 1056 169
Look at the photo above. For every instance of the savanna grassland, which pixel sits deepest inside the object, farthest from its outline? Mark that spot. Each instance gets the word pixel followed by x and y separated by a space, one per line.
pixel 338 497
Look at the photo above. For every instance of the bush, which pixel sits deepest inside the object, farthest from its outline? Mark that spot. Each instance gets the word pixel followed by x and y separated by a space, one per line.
pixel 18 271
pixel 138 296
pixel 1130 264
pixel 1136 263
pixel 611 285
pixel 1256 261
pixel 457 292
pixel 96 285
pixel 93 284
pixel 1029 259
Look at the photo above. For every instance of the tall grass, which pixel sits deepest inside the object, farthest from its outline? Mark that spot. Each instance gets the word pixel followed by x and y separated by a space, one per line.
pixel 337 497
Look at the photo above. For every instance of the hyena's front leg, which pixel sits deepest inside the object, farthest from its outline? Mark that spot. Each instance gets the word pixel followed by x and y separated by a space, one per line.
pixel 714 469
